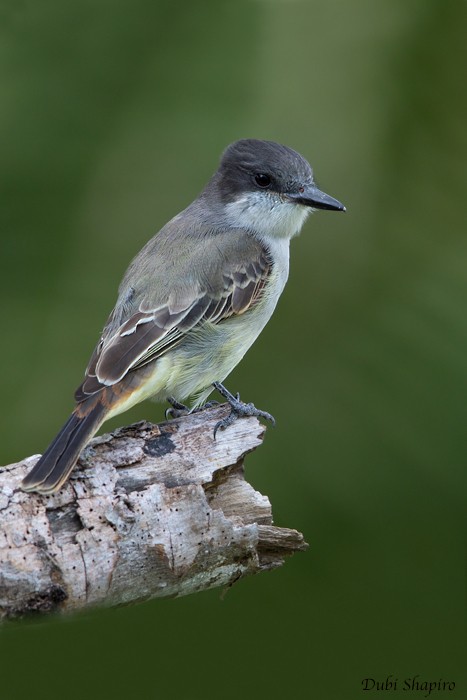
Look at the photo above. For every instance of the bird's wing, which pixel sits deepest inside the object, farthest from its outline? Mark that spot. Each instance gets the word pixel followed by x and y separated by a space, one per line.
pixel 149 333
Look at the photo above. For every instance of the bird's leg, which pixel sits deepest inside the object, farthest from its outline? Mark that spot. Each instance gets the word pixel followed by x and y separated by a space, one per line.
pixel 177 409
pixel 208 404
pixel 238 409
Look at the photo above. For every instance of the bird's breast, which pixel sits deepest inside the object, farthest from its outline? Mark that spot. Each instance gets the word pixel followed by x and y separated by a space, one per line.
pixel 210 351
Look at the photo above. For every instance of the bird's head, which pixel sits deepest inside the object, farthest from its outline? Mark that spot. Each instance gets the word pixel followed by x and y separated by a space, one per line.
pixel 268 188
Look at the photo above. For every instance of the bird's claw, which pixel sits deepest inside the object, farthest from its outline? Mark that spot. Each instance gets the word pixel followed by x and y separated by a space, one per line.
pixel 176 410
pixel 239 409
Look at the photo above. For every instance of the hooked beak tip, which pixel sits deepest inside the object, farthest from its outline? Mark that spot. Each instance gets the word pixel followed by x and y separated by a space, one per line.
pixel 314 198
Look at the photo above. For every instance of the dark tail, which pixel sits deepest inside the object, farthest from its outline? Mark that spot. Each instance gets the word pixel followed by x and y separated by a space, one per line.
pixel 55 465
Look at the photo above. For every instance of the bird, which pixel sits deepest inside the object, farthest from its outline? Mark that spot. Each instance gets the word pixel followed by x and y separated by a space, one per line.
pixel 194 299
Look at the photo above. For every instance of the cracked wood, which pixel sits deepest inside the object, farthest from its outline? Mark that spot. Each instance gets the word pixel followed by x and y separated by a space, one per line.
pixel 151 511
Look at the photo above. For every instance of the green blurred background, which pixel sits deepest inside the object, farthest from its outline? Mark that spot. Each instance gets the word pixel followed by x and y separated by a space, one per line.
pixel 113 116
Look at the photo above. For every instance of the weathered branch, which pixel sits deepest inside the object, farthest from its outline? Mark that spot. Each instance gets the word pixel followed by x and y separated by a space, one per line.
pixel 164 511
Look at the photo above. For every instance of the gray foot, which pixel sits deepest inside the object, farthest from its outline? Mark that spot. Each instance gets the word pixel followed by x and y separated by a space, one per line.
pixel 238 409
pixel 177 409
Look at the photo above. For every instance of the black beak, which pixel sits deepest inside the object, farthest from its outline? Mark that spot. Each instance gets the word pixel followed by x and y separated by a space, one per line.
pixel 313 197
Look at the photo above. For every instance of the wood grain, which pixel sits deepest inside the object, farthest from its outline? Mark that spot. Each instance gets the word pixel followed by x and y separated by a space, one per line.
pixel 151 511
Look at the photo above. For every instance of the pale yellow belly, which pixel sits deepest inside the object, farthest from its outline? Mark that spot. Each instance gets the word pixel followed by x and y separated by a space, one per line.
pixel 207 354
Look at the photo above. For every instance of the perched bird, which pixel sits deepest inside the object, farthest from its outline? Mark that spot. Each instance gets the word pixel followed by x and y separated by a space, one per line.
pixel 195 298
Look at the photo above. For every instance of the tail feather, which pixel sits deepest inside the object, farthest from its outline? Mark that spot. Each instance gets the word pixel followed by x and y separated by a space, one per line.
pixel 55 465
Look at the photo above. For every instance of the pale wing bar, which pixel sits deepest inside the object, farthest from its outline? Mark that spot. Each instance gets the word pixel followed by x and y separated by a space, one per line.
pixel 147 335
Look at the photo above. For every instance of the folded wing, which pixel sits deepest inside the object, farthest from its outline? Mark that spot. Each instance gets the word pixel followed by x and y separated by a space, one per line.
pixel 148 334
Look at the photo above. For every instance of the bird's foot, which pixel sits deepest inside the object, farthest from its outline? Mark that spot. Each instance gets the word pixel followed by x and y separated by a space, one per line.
pixel 177 409
pixel 239 409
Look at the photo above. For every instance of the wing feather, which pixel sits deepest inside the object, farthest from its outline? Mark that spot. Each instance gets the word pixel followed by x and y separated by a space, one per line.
pixel 149 333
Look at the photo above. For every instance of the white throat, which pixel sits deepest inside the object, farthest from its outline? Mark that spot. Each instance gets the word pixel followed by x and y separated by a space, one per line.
pixel 267 215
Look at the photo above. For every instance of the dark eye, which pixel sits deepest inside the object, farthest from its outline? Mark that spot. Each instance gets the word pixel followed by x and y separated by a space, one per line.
pixel 262 180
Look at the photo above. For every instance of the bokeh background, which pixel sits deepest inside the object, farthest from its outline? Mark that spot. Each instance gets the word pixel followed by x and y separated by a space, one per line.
pixel 113 116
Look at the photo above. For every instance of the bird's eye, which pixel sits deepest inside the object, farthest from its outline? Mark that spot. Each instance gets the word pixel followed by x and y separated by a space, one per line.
pixel 262 180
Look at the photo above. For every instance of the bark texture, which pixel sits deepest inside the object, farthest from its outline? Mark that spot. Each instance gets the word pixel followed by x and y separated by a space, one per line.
pixel 150 511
